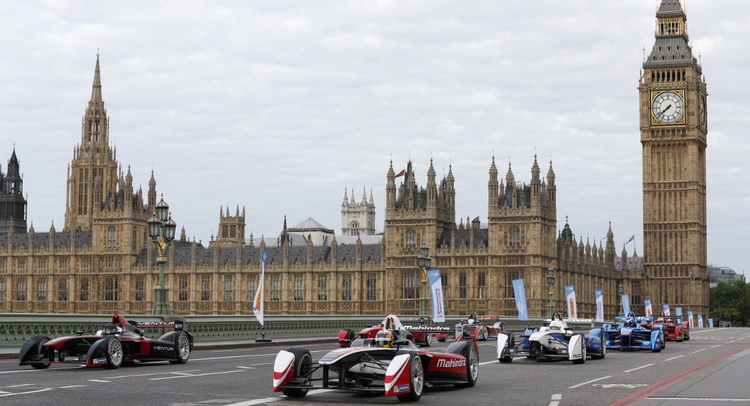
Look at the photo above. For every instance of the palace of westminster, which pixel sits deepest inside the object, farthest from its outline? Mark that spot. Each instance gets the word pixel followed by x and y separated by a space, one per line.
pixel 103 261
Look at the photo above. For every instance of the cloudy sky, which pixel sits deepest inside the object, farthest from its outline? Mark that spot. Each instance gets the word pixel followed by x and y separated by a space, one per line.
pixel 280 106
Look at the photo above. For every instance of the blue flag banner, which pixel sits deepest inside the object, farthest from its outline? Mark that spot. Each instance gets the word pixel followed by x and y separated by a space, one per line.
pixel 678 314
pixel 710 323
pixel 436 291
pixel 665 309
pixel 519 291
pixel 690 319
pixel 599 305
pixel 700 321
pixel 648 307
pixel 570 301
pixel 626 304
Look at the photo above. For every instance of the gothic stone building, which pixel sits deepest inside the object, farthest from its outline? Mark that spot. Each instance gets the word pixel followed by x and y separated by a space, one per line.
pixel 102 261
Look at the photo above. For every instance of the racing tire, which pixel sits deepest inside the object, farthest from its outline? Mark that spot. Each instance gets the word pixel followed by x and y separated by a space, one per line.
pixel 114 353
pixel 302 362
pixel 428 340
pixel 442 339
pixel 582 344
pixel 181 349
pixel 507 358
pixel 471 353
pixel 416 381
pixel 40 345
pixel 483 331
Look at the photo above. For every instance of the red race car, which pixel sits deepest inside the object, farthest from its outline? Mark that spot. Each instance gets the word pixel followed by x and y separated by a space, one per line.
pixel 117 343
pixel 476 328
pixel 421 334
pixel 672 329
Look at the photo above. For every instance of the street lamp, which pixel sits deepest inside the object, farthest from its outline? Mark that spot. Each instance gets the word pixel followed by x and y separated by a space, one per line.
pixel 424 261
pixel 619 297
pixel 551 283
pixel 161 229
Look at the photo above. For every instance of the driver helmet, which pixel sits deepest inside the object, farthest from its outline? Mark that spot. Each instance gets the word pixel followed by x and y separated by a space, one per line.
pixel 629 322
pixel 384 338
pixel 110 328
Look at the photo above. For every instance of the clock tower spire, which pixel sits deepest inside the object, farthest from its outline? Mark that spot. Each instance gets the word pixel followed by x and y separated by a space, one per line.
pixel 674 129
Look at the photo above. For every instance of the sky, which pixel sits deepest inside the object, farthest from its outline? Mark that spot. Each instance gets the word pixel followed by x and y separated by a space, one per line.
pixel 278 107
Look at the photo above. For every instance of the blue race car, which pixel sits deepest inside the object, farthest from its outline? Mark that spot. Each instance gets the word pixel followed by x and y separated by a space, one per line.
pixel 554 341
pixel 634 333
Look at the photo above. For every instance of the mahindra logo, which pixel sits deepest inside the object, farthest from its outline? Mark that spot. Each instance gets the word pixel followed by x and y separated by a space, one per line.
pixel 452 363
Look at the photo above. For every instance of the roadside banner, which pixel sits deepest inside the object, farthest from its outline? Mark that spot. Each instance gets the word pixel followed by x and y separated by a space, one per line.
pixel 710 323
pixel 436 291
pixel 678 314
pixel 570 299
pixel 700 321
pixel 665 309
pixel 258 301
pixel 519 291
pixel 648 307
pixel 599 305
pixel 690 319
pixel 625 304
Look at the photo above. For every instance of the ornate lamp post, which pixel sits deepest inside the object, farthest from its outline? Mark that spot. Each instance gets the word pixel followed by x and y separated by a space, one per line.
pixel 619 297
pixel 161 229
pixel 551 283
pixel 424 261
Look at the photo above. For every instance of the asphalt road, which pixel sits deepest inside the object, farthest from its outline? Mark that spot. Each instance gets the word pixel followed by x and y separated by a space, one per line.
pixel 709 369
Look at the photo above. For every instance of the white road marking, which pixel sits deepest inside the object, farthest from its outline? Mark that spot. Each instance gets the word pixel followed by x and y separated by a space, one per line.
pixel 669 359
pixel 19 372
pixel 717 345
pixel 19 385
pixel 194 375
pixel 3 392
pixel 696 351
pixel 640 367
pixel 99 380
pixel 243 367
pixel 555 399
pixel 72 386
pixel 588 382
pixel 489 362
pixel 26 393
pixel 276 399
pixel 154 373
pixel 621 385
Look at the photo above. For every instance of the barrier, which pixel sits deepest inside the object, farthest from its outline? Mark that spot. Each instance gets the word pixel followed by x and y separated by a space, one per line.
pixel 17 327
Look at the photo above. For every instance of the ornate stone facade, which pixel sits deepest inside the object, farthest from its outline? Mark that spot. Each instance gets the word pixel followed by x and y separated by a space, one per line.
pixel 103 260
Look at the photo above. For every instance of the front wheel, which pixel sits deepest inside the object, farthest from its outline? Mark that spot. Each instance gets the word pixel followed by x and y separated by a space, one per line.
pixel 416 381
pixel 302 362
pixel 182 349
pixel 114 353
pixel 472 365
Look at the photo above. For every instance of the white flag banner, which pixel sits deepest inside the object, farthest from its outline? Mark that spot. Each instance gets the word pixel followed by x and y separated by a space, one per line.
pixel 258 306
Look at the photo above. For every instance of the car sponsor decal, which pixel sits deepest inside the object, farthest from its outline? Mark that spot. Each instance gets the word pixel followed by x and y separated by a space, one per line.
pixel 401 388
pixel 100 361
pixel 450 363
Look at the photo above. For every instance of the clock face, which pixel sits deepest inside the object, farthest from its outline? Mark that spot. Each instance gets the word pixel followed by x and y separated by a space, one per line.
pixel 702 112
pixel 668 107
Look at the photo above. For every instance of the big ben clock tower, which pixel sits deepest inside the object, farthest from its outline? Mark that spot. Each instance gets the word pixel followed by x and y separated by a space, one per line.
pixel 673 134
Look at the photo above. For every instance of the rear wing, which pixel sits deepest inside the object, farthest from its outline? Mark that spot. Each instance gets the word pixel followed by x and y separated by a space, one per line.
pixel 176 325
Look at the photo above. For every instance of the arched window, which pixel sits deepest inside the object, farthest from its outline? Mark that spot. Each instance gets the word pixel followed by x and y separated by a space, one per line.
pixel 515 238
pixel 411 238
pixel 354 228
pixel 111 237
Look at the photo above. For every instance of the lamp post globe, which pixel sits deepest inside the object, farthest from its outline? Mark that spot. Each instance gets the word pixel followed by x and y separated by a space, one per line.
pixel 423 262
pixel 161 229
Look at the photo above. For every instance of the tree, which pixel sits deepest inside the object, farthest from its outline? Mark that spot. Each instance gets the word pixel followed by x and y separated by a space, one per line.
pixel 730 302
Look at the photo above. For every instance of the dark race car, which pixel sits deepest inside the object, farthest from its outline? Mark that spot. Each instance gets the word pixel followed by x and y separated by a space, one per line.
pixel 553 341
pixel 634 333
pixel 117 343
pixel 390 364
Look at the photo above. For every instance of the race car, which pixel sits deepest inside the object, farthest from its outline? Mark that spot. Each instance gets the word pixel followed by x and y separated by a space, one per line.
pixel 390 364
pixel 421 333
pixel 118 343
pixel 672 329
pixel 554 341
pixel 634 333
pixel 476 328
